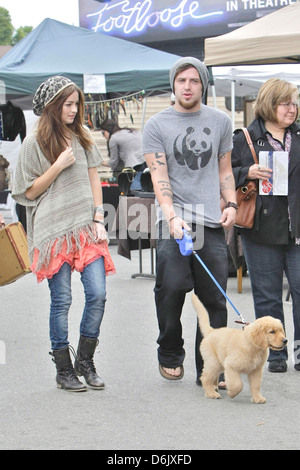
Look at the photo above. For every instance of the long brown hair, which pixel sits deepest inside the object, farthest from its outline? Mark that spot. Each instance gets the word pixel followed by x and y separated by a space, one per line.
pixel 52 133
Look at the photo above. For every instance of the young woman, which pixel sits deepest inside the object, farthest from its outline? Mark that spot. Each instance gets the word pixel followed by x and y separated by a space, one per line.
pixel 57 180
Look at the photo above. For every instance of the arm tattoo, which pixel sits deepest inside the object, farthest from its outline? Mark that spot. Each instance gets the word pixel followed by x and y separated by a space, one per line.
pixel 157 162
pixel 165 189
pixel 157 158
pixel 228 183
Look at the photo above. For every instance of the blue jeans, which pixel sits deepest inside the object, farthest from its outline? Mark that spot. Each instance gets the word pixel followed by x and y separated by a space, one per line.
pixel 94 283
pixel 266 265
pixel 177 275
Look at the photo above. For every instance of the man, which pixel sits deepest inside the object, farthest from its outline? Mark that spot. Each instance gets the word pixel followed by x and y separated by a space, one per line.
pixel 188 150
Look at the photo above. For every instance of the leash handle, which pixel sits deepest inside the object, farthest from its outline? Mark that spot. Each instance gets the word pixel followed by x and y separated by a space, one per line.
pixel 185 243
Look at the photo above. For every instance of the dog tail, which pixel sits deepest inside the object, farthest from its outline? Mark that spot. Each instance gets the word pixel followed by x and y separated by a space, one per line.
pixel 203 317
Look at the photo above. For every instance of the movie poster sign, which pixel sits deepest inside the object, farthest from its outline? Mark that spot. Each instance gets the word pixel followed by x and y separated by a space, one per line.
pixel 160 20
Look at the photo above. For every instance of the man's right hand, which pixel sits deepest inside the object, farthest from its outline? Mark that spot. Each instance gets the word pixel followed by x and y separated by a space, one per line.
pixel 176 226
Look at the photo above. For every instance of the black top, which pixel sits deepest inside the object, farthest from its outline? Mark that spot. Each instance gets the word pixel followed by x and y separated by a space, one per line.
pixel 271 224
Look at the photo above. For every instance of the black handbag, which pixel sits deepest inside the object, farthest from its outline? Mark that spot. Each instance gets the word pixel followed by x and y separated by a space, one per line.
pixel 125 180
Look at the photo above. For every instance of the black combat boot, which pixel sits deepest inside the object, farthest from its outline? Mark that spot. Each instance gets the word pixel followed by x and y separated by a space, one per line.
pixel 84 364
pixel 66 377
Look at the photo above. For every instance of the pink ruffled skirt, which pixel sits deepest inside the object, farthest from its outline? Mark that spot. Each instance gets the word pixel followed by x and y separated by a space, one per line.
pixel 78 259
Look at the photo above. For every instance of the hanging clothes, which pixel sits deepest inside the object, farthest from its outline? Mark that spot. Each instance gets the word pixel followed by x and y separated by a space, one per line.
pixel 12 122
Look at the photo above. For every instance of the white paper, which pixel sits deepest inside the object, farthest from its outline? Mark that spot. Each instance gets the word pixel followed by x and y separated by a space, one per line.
pixel 277 184
pixel 94 83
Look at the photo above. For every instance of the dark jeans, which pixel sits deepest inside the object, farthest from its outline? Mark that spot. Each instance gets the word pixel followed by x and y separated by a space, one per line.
pixel 266 265
pixel 177 275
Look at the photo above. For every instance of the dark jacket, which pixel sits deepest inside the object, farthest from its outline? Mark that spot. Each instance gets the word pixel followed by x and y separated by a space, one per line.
pixel 13 122
pixel 271 224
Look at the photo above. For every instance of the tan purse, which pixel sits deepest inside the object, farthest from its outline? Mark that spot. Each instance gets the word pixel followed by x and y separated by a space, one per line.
pixel 246 195
pixel 13 253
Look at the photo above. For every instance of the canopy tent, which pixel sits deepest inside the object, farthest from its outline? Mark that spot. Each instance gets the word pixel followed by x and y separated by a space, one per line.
pixel 272 39
pixel 249 78
pixel 246 80
pixel 55 48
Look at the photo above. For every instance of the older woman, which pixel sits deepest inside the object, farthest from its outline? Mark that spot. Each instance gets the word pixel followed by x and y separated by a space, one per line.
pixel 272 246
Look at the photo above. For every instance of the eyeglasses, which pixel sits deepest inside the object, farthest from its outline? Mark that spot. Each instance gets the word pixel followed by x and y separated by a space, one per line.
pixel 289 105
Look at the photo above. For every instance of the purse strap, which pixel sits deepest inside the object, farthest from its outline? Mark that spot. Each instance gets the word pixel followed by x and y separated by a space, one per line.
pixel 250 143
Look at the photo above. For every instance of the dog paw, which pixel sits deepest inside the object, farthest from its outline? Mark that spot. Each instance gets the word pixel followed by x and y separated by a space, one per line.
pixel 214 395
pixel 259 399
pixel 233 393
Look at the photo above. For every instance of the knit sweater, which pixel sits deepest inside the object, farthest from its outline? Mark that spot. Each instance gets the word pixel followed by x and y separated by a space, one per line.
pixel 65 210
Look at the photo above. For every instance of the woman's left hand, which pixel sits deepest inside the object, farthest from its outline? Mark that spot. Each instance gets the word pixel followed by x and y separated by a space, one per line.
pixel 100 232
pixel 259 172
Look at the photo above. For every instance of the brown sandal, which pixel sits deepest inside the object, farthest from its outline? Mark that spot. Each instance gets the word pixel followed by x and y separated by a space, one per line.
pixel 169 376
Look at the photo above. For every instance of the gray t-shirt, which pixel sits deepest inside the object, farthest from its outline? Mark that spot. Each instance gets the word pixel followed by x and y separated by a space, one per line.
pixel 126 146
pixel 193 143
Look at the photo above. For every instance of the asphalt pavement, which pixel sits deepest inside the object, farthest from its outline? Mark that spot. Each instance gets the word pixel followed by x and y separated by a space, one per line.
pixel 138 409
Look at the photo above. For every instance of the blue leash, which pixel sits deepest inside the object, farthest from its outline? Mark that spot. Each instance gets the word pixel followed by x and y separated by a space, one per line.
pixel 186 249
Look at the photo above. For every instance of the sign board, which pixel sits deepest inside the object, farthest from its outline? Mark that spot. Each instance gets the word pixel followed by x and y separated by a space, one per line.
pixel 161 20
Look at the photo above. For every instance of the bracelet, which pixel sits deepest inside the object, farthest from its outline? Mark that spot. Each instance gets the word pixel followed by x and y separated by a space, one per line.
pixel 98 209
pixel 174 217
pixel 99 222
pixel 231 204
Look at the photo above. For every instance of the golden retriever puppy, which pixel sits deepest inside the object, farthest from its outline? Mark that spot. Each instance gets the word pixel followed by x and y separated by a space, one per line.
pixel 237 352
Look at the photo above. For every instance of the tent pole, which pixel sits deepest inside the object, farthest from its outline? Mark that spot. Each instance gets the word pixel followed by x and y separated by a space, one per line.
pixel 233 104
pixel 144 113
pixel 212 84
pixel 213 90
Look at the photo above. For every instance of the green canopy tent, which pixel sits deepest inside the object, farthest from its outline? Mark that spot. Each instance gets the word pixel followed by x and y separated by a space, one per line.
pixel 55 48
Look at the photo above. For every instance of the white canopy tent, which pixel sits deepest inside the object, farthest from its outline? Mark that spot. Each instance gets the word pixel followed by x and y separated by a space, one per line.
pixel 272 39
pixel 242 81
pixel 248 78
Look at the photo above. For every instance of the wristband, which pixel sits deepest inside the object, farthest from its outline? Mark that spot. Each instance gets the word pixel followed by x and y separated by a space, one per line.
pixel 231 204
pixel 98 209
pixel 99 222
pixel 174 217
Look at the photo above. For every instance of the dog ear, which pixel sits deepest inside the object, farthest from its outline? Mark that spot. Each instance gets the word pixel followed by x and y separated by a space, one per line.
pixel 258 335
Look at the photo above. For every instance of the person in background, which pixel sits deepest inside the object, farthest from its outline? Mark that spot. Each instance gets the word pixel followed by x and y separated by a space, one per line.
pixel 272 246
pixel 58 182
pixel 124 145
pixel 187 148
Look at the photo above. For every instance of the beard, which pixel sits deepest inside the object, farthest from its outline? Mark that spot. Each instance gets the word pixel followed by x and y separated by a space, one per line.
pixel 188 104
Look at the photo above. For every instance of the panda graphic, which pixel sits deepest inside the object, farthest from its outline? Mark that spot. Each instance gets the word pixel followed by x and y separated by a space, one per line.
pixel 190 155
